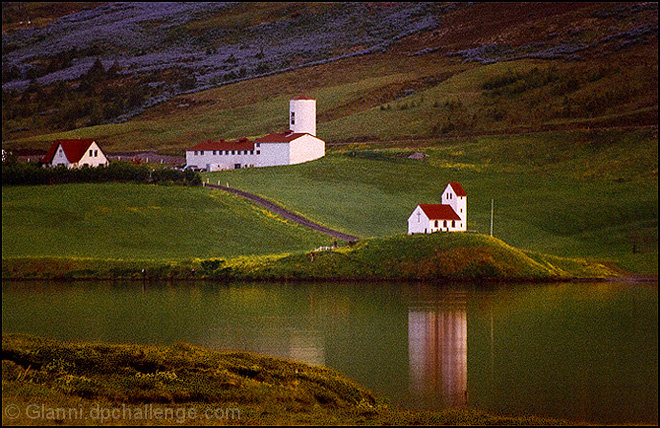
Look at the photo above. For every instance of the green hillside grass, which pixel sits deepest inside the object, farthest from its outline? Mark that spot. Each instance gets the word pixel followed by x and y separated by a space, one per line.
pixel 389 96
pixel 574 194
pixel 186 383
pixel 129 221
pixel 435 257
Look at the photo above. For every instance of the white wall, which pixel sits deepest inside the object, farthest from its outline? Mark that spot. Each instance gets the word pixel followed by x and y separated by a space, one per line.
pixel 305 149
pixel 418 223
pixel 93 157
pixel 60 158
pixel 263 154
pixel 272 154
pixel 304 112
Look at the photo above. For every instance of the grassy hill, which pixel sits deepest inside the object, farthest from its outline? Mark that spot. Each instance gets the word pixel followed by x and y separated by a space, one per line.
pixel 577 193
pixel 458 70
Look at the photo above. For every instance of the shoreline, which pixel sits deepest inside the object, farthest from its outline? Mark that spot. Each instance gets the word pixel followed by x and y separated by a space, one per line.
pixel 267 390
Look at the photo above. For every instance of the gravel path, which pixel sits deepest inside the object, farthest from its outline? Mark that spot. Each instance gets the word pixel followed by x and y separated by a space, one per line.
pixel 285 213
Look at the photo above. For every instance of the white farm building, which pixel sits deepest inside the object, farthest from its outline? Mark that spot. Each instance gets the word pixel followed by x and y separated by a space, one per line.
pixel 449 216
pixel 74 154
pixel 297 144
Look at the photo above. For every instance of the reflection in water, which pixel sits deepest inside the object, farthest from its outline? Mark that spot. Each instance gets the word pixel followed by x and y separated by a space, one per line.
pixel 437 351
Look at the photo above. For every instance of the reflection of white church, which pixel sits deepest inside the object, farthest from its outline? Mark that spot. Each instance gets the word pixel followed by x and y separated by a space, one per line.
pixel 437 352
pixel 297 144
pixel 448 216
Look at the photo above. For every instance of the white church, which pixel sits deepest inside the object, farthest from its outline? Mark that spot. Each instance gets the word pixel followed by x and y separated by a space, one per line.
pixel 297 144
pixel 449 216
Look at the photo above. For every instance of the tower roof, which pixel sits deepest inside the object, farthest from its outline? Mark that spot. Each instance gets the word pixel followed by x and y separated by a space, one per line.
pixel 458 189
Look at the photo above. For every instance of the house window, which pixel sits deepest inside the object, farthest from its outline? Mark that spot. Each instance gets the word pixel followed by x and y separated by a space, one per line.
pixel 195 152
pixel 251 152
pixel 445 223
pixel 293 118
pixel 453 223
pixel 91 152
pixel 436 223
pixel 213 152
pixel 201 152
pixel 258 152
pixel 258 144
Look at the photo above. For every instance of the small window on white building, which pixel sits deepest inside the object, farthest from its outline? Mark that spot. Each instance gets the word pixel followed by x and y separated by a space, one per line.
pixel 213 152
pixel 258 144
pixel 201 152
pixel 258 152
pixel 293 118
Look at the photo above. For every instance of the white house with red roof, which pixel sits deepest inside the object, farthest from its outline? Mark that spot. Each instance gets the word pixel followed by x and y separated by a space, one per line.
pixel 448 216
pixel 297 144
pixel 74 154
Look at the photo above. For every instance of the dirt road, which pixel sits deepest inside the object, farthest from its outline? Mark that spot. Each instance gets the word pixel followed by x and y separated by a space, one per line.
pixel 286 214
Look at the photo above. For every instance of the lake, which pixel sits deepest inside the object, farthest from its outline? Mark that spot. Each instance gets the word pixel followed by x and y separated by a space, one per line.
pixel 583 351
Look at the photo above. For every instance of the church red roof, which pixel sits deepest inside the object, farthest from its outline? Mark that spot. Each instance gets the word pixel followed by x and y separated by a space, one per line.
pixel 439 212
pixel 280 137
pixel 74 150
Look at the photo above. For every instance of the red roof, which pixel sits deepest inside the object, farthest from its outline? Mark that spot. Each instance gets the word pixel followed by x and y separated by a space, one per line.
pixel 280 137
pixel 439 212
pixel 458 189
pixel 303 97
pixel 242 144
pixel 74 150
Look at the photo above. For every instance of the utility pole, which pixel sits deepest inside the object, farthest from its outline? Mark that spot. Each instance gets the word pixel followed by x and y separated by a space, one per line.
pixel 492 206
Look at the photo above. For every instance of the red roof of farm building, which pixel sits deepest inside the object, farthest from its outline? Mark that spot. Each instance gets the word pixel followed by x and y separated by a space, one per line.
pixel 73 149
pixel 303 97
pixel 242 144
pixel 458 189
pixel 280 137
pixel 439 212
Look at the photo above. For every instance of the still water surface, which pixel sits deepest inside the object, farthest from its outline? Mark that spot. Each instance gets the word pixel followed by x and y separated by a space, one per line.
pixel 579 351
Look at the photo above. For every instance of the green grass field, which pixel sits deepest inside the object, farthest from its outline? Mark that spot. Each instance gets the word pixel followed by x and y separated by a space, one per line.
pixel 130 221
pixel 581 194
pixel 576 194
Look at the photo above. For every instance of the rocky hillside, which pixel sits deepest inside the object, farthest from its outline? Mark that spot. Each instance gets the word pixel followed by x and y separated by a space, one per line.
pixel 67 66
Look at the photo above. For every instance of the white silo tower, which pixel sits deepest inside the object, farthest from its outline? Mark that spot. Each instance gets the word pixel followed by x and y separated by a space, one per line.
pixel 302 115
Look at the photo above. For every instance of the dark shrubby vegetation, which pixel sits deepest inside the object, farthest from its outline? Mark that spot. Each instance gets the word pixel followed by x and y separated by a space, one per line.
pixel 124 172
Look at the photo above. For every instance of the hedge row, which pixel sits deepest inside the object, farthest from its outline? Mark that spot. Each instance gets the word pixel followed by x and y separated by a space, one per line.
pixel 125 172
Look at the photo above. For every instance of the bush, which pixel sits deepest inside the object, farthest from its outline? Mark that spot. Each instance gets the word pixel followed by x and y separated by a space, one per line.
pixel 123 172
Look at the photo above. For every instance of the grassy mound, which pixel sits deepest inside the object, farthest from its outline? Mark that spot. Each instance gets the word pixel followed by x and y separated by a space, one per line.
pixel 439 256
pixel 95 383
pixel 434 257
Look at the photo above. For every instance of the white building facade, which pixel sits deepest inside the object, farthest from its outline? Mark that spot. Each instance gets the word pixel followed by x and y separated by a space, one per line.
pixel 296 145
pixel 449 216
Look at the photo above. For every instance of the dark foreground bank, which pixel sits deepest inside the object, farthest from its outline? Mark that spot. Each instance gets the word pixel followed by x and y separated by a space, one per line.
pixel 46 382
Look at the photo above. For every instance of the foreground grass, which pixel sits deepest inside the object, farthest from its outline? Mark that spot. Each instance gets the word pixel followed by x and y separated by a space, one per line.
pixel 185 384
pixel 436 257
